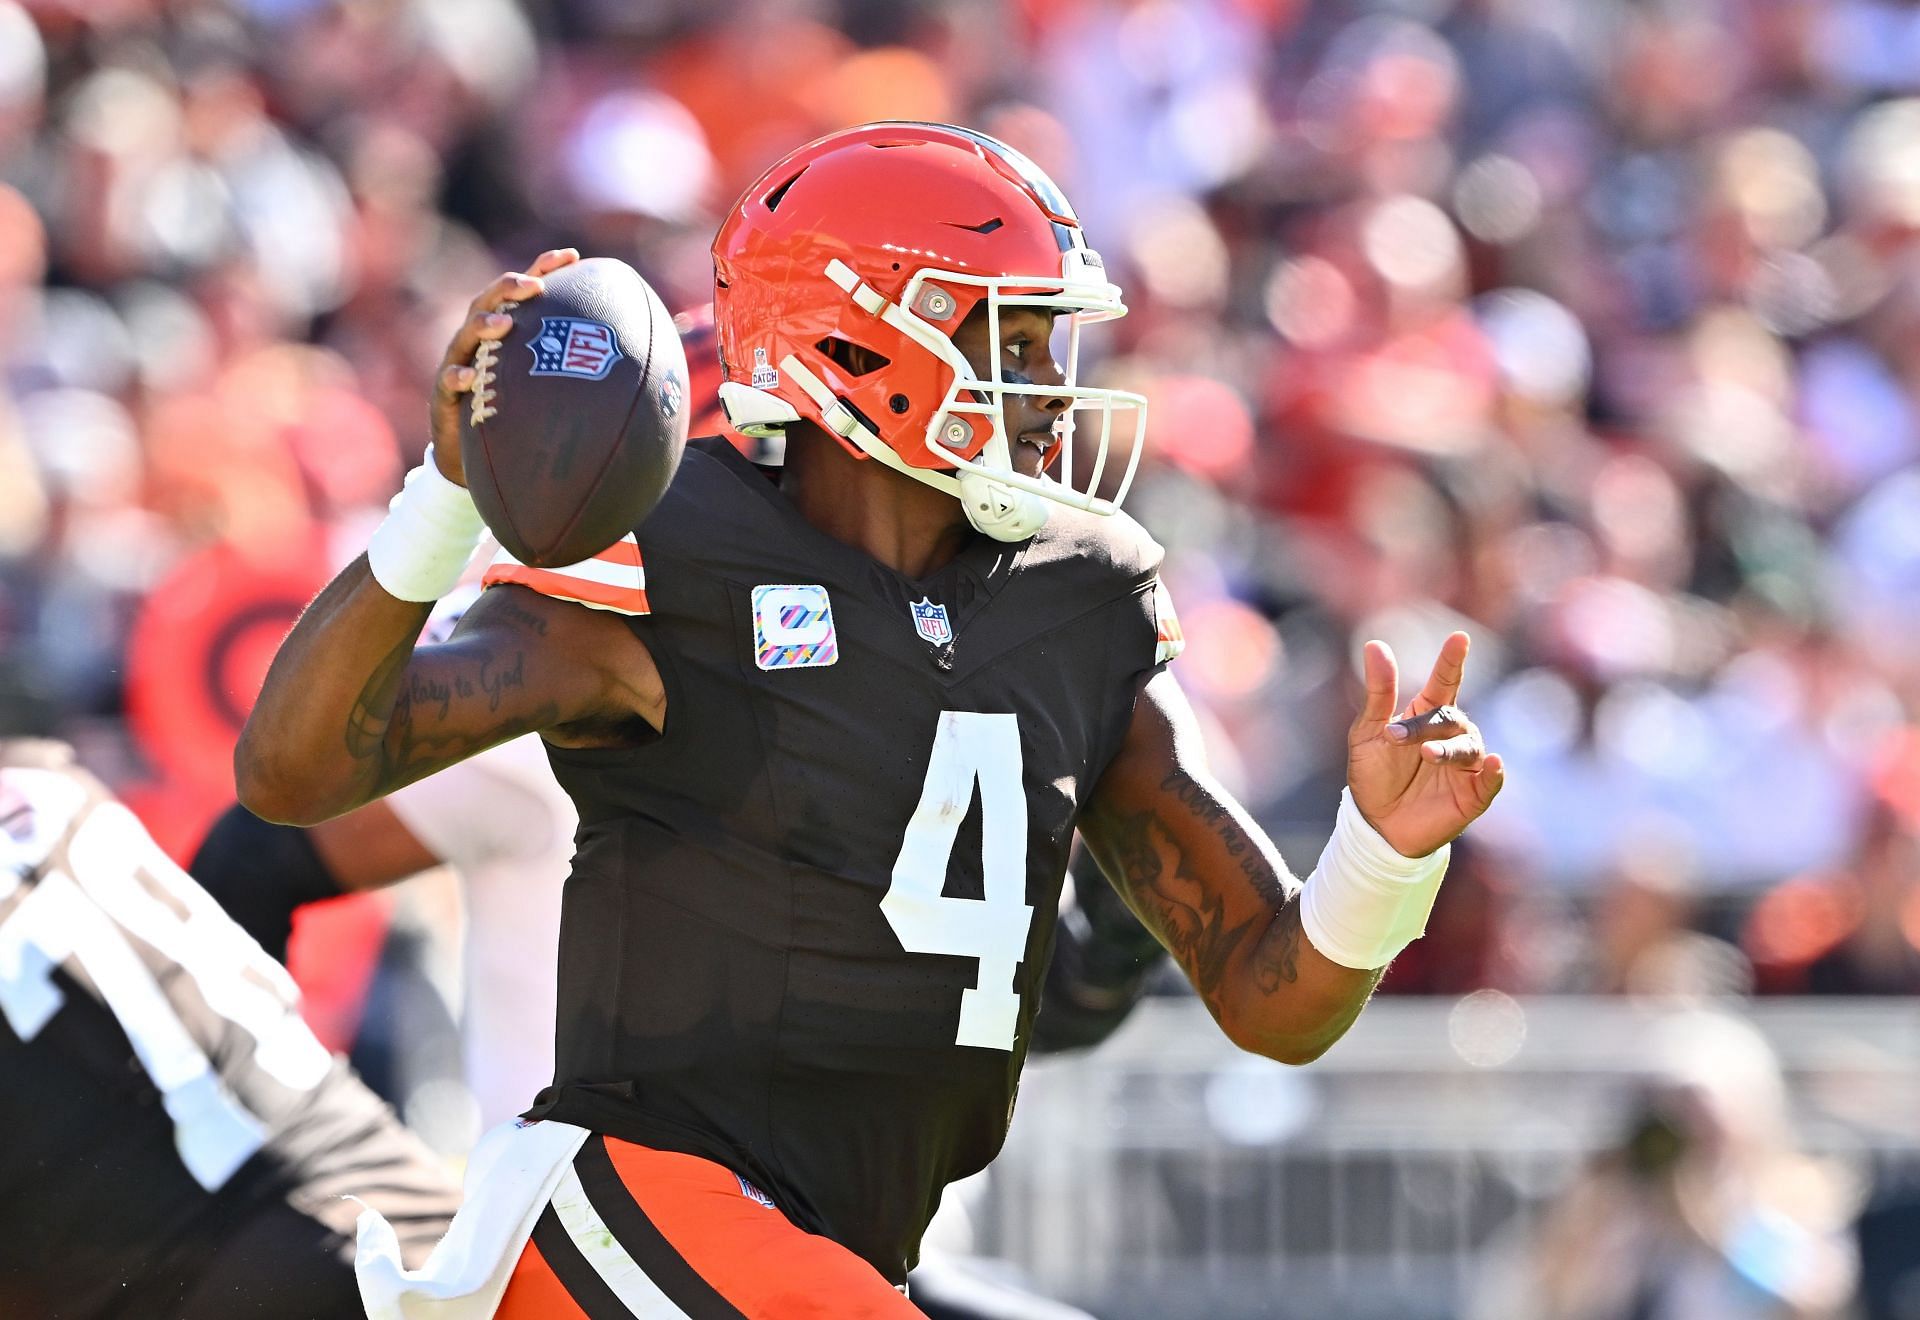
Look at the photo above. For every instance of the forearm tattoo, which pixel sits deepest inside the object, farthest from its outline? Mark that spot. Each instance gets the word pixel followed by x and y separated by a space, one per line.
pixel 1164 885
pixel 366 726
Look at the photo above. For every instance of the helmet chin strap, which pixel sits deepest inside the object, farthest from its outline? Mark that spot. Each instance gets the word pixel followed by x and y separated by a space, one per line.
pixel 995 510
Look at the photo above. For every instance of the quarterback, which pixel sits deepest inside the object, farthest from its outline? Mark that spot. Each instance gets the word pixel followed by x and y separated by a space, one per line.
pixel 830 740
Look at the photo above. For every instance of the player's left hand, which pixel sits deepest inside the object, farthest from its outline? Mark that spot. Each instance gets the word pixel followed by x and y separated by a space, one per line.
pixel 1419 774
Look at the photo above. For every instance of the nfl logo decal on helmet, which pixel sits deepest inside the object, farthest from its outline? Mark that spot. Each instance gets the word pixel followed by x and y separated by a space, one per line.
pixel 764 376
pixel 931 622
pixel 573 346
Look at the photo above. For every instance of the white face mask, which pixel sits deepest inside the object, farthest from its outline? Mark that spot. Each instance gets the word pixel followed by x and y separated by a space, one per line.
pixel 999 501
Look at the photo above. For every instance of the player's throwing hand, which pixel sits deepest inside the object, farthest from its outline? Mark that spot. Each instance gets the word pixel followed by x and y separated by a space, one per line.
pixel 486 319
pixel 1419 774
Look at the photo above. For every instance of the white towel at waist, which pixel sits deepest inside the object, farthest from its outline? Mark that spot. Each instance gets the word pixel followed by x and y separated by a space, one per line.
pixel 510 1179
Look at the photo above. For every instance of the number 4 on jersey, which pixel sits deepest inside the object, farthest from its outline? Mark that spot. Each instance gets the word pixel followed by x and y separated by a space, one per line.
pixel 968 749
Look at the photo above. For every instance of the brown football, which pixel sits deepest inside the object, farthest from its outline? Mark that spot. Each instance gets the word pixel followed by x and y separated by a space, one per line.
pixel 578 416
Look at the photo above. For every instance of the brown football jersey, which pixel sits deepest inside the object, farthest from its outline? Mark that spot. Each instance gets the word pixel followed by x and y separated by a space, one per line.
pixel 807 924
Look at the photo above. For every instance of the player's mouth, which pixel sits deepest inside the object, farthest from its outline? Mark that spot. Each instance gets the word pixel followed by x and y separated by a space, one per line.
pixel 1030 453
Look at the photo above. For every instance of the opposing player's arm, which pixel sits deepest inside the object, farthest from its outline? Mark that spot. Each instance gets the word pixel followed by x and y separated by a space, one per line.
pixel 352 709
pixel 1207 881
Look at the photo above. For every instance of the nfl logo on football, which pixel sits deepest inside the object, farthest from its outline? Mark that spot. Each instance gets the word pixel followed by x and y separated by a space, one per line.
pixel 930 621
pixel 571 346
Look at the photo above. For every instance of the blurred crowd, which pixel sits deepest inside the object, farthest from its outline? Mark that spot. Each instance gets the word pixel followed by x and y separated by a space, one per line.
pixel 1586 325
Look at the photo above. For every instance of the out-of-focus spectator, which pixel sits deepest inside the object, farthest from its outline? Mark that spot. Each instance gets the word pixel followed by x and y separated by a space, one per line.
pixel 1643 940
pixel 1703 1210
pixel 1851 931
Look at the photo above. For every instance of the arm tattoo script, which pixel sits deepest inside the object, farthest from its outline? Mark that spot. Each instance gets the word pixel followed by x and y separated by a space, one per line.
pixel 458 707
pixel 1164 883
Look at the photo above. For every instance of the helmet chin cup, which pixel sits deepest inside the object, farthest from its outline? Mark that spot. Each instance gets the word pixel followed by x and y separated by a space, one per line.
pixel 1000 511
pixel 757 413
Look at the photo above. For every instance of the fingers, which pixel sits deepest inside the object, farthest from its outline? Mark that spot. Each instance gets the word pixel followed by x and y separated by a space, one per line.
pixel 550 261
pixel 481 324
pixel 456 379
pixel 1431 725
pixel 512 287
pixel 1490 779
pixel 1443 684
pixel 1383 688
pixel 487 315
pixel 1465 752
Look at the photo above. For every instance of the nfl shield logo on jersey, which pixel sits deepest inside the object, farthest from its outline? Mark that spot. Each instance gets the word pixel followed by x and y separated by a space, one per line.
pixel 930 621
pixel 573 346
pixel 753 1193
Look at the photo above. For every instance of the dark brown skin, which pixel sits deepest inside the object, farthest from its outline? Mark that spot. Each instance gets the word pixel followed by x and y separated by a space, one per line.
pixel 352 709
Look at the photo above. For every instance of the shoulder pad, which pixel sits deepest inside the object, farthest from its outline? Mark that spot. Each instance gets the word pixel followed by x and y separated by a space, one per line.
pixel 1114 547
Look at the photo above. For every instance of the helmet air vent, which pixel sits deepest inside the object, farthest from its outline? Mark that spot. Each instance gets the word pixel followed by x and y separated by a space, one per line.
pixel 779 194
pixel 854 359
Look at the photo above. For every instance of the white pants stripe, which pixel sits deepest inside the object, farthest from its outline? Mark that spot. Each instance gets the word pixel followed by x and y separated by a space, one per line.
pixel 604 1252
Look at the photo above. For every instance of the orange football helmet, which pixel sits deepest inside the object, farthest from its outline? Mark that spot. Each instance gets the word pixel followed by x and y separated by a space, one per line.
pixel 887 236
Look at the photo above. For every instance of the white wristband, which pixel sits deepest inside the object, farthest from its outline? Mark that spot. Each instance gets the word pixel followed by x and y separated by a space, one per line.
pixel 431 530
pixel 1365 902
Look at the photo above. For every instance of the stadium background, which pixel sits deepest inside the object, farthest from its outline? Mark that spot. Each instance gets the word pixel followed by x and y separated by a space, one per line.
pixel 1587 325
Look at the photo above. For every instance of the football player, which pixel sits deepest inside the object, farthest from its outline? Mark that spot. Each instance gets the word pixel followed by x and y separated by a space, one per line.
pixel 506 828
pixel 830 742
pixel 178 1142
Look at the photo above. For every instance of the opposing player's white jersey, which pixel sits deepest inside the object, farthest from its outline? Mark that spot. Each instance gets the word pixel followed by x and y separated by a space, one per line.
pixel 505 827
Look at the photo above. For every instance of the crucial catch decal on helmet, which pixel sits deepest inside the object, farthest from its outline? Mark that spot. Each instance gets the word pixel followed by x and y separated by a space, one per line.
pixel 573 346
